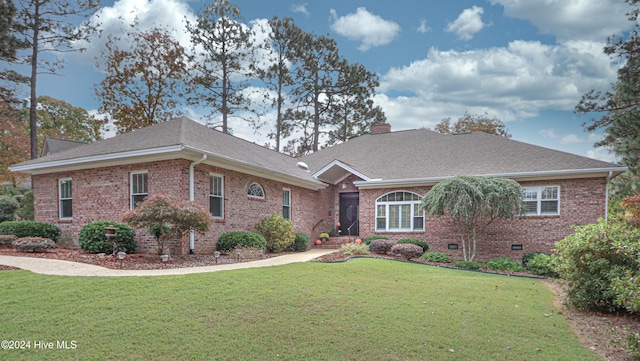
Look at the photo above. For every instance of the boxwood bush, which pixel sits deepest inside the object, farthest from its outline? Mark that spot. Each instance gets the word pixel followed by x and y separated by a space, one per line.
pixel 505 264
pixel 436 257
pixel 230 240
pixel 417 242
pixel 92 237
pixel 528 256
pixel 367 240
pixel 301 243
pixel 30 229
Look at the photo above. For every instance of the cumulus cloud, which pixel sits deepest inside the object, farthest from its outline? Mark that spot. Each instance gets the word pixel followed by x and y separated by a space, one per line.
pixel 548 133
pixel 468 23
pixel 300 8
pixel 371 30
pixel 522 79
pixel 125 15
pixel 423 28
pixel 593 20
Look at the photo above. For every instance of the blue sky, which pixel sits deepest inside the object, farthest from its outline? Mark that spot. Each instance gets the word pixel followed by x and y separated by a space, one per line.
pixel 527 62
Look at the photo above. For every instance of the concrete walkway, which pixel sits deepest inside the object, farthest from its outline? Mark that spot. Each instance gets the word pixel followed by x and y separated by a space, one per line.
pixel 66 268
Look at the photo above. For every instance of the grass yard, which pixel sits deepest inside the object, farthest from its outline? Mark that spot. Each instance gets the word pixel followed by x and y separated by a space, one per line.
pixel 365 309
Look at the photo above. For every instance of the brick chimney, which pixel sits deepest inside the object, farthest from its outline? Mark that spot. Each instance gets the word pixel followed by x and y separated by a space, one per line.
pixel 380 128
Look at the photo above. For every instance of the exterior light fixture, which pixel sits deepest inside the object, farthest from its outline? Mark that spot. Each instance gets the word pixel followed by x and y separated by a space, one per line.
pixel 121 256
pixel 261 253
pixel 164 258
pixel 238 255
pixel 216 254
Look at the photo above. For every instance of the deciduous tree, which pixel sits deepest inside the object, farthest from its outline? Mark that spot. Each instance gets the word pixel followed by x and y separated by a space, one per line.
pixel 474 203
pixel 473 123
pixel 223 50
pixel 170 218
pixel 616 111
pixel 45 26
pixel 145 78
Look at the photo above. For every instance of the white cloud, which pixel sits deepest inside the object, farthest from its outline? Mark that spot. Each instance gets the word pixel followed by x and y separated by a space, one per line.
pixel 601 154
pixel 468 23
pixel 571 19
pixel 520 80
pixel 548 133
pixel 423 28
pixel 119 18
pixel 371 30
pixel 300 8
pixel 571 139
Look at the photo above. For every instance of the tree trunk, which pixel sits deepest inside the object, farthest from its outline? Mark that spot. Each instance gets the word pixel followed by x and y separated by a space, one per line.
pixel 33 106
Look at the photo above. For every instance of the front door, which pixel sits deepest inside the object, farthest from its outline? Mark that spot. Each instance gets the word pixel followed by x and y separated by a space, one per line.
pixel 349 214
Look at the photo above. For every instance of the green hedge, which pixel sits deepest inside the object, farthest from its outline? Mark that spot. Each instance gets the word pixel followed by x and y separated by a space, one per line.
pixel 301 243
pixel 417 242
pixel 30 229
pixel 230 240
pixel 504 264
pixel 367 240
pixel 92 237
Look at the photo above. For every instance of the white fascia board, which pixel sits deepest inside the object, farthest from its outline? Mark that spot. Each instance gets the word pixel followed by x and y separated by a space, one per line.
pixel 343 166
pixel 524 176
pixel 81 162
pixel 263 172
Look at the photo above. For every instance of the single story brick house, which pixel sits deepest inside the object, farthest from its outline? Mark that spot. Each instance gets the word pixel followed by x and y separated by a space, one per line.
pixel 369 185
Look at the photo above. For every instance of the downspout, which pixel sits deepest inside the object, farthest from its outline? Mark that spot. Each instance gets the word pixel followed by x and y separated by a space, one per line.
pixel 192 243
pixel 606 200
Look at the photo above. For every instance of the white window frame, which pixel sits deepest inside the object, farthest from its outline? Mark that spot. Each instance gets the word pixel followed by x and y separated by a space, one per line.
pixel 64 198
pixel 131 193
pixel 284 204
pixel 255 196
pixel 383 210
pixel 539 193
pixel 218 196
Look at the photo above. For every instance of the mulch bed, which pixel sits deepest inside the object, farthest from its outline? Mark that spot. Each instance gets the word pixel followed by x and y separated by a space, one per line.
pixel 135 261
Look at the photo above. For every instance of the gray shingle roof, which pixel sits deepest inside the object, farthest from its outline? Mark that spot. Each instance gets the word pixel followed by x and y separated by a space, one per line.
pixel 182 132
pixel 56 145
pixel 421 153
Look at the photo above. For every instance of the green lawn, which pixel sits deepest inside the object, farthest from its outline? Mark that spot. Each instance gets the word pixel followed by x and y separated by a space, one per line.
pixel 365 309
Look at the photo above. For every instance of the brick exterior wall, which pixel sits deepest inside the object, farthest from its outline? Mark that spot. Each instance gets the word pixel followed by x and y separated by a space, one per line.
pixel 103 194
pixel 582 201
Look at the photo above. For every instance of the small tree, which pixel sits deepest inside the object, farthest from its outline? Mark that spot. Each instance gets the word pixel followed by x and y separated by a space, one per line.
pixel 474 203
pixel 631 206
pixel 168 218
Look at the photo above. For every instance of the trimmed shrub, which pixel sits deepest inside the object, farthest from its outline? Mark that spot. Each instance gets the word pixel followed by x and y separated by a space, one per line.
pixel 230 240
pixel 367 240
pixel 300 243
pixel 381 246
pixel 30 229
pixel 541 264
pixel 91 237
pixel 277 231
pixel 592 259
pixel 6 239
pixel 32 244
pixel 528 256
pixel 354 249
pixel 407 250
pixel 435 257
pixel 504 264
pixel 472 265
pixel 417 242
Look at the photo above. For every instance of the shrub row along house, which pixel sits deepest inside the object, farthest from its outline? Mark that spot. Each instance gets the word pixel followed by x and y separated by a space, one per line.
pixel 369 185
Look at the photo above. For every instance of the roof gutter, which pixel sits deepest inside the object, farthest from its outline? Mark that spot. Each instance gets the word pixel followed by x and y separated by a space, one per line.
pixel 379 183
pixel 192 197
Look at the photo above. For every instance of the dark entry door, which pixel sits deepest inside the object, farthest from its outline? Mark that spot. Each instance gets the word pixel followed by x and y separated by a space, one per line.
pixel 349 203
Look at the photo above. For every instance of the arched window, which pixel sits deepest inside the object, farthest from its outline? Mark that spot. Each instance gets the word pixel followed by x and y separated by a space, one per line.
pixel 399 212
pixel 255 191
